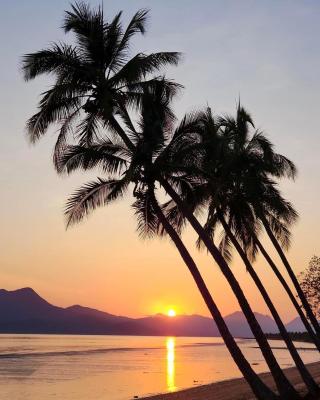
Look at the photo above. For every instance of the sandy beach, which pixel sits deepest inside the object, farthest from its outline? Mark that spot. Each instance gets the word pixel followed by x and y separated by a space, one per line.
pixel 236 389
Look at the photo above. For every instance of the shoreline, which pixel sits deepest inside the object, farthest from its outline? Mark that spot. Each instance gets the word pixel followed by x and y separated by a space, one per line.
pixel 236 389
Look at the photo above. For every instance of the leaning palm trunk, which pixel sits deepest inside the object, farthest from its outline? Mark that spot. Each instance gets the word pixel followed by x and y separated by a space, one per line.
pixel 294 279
pixel 287 288
pixel 261 391
pixel 306 376
pixel 284 386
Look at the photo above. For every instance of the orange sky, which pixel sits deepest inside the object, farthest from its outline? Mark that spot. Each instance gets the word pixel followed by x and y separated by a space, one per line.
pixel 102 263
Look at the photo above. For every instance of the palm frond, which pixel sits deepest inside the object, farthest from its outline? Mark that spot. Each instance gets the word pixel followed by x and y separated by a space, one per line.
pixel 103 155
pixel 138 67
pixel 88 130
pixel 61 58
pixel 225 247
pixel 283 167
pixel 54 106
pixel 111 58
pixel 146 215
pixel 90 30
pixel 260 143
pixel 174 216
pixel 61 143
pixel 274 203
pixel 136 25
pixel 190 123
pixel 91 196
pixel 78 19
pixel 280 230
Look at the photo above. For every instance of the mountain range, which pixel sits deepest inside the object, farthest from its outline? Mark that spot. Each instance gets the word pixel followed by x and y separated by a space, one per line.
pixel 24 311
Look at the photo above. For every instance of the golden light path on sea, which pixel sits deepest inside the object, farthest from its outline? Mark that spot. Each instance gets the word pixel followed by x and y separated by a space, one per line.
pixel 170 342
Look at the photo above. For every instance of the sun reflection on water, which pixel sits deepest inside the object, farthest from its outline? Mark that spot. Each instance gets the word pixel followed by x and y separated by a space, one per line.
pixel 170 341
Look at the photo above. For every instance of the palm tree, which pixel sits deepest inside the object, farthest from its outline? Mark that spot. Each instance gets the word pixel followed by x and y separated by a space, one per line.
pixel 137 167
pixel 95 79
pixel 94 83
pixel 227 175
pixel 275 213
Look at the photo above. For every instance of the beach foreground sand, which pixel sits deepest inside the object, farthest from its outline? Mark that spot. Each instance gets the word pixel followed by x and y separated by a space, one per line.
pixel 236 389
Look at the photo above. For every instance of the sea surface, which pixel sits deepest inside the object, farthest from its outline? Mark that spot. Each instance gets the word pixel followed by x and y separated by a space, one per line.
pixel 67 367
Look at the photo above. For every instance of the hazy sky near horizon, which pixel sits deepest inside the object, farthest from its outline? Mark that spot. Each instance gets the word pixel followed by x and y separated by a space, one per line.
pixel 265 51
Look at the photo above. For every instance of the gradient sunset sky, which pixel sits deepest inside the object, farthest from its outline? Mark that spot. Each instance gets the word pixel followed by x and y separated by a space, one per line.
pixel 265 51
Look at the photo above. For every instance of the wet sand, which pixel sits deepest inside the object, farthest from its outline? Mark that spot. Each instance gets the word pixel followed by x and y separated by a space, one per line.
pixel 236 389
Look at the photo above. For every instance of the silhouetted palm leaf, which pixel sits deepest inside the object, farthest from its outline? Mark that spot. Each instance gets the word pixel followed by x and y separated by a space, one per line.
pixel 96 76
pixel 145 214
pixel 91 196
pixel 104 155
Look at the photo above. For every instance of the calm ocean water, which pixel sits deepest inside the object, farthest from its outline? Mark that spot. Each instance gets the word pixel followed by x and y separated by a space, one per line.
pixel 46 367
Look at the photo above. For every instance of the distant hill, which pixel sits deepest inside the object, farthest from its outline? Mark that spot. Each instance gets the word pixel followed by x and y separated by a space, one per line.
pixel 296 325
pixel 24 311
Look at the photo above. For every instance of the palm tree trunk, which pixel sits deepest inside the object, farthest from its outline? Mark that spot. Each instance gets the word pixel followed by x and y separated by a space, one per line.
pixel 284 386
pixel 306 376
pixel 261 391
pixel 294 279
pixel 287 288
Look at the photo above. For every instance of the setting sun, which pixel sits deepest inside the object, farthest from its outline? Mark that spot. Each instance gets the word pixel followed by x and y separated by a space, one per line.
pixel 171 313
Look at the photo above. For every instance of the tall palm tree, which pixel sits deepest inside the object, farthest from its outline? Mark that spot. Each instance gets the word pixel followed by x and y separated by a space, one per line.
pixel 137 167
pixel 275 213
pixel 224 190
pixel 93 88
pixel 95 80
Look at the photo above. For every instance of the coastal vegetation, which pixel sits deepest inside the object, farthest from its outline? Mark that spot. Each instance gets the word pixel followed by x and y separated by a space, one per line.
pixel 310 284
pixel 295 336
pixel 114 113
